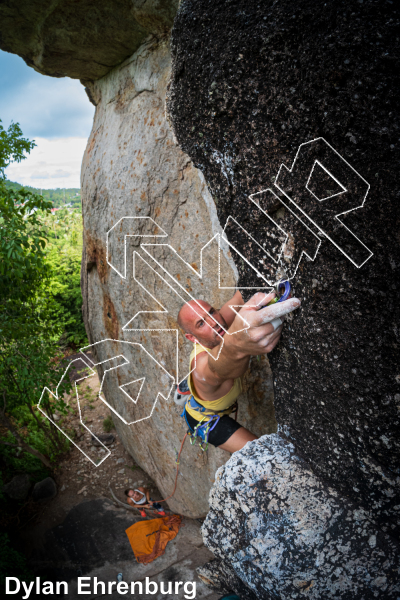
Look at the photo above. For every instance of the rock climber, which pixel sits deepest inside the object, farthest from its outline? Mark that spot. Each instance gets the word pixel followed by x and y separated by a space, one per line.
pixel 224 341
pixel 140 498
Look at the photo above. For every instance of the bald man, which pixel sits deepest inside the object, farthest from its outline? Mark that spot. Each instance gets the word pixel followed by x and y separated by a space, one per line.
pixel 223 344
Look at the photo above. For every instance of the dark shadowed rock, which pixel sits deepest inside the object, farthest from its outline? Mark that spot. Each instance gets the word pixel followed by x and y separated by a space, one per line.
pixel 252 85
pixel 18 488
pixel 92 542
pixel 105 438
pixel 83 40
pixel 45 489
pixel 252 82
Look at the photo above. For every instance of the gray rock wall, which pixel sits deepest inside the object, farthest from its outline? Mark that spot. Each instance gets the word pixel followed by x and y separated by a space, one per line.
pixel 286 534
pixel 82 40
pixel 134 167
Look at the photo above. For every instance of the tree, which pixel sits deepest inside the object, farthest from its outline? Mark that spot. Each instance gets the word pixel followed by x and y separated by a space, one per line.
pixel 28 353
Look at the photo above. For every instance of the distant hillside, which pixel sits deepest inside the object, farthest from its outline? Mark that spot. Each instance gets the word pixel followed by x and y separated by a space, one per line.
pixel 58 196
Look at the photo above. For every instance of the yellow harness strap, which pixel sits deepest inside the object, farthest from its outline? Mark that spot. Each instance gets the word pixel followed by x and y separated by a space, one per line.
pixel 221 406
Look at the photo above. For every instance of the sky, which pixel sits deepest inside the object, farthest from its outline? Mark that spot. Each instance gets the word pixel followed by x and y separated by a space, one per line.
pixel 55 112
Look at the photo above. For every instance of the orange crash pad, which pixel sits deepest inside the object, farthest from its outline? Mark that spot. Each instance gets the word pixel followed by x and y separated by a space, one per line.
pixel 150 538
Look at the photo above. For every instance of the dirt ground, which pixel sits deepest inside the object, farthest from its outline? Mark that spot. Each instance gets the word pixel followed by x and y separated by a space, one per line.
pixel 77 477
pixel 81 530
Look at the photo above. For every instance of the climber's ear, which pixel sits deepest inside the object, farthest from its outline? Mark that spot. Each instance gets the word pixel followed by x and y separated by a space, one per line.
pixel 190 337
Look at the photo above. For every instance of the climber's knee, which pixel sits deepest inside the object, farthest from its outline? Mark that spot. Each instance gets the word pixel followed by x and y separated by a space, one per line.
pixel 238 440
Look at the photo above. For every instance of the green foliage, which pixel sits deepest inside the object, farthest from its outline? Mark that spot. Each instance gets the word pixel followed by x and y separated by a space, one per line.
pixel 64 252
pixel 108 424
pixel 12 146
pixel 12 562
pixel 29 357
pixel 60 197
pixel 22 244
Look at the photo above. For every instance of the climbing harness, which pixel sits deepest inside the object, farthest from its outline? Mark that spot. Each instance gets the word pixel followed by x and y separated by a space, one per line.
pixel 200 434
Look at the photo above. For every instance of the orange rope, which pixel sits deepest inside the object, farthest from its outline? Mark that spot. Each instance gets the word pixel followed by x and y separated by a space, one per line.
pixel 177 471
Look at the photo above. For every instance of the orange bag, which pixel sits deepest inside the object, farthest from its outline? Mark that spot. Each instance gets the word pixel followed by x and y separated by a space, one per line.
pixel 150 538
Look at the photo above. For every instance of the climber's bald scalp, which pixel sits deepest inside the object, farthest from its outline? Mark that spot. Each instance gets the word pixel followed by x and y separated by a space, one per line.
pixel 189 313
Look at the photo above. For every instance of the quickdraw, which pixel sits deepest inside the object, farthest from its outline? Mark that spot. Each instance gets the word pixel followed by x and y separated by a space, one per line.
pixel 204 427
pixel 283 291
pixel 202 430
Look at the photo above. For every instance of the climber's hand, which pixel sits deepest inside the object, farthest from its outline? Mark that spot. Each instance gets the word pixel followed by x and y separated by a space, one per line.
pixel 257 330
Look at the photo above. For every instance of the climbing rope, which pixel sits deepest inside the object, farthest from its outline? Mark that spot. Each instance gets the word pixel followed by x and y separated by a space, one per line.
pixel 165 499
pixel 177 470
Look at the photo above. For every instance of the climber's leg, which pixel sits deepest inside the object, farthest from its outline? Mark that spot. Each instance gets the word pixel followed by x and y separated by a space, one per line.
pixel 238 440
pixel 228 434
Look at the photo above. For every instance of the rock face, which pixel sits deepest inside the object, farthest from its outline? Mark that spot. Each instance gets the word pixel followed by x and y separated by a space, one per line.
pixel 82 40
pixel 45 489
pixel 79 545
pixel 250 84
pixel 259 85
pixel 18 488
pixel 134 168
pixel 286 534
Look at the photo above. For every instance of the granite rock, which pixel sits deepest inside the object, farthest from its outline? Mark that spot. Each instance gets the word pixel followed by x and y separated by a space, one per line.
pixel 285 533
pixel 251 83
pixel 133 167
pixel 82 40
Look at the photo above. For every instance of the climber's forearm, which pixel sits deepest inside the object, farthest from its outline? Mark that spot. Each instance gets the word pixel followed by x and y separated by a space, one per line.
pixel 226 311
pixel 230 364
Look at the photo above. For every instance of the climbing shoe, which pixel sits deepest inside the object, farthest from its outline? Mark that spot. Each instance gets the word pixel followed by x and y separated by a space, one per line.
pixel 142 513
pixel 181 392
pixel 161 512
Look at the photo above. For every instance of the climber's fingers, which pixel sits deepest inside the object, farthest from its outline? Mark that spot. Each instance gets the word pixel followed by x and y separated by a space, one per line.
pixel 275 311
pixel 264 332
pixel 257 300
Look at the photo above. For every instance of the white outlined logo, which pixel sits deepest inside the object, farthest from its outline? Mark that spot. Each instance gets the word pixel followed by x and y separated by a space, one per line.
pixel 278 246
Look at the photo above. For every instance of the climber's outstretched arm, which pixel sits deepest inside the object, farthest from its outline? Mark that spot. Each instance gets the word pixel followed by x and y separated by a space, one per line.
pixel 260 337
pixel 227 313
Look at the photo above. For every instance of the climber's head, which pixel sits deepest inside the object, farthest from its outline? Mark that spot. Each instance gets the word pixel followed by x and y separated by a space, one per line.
pixel 134 494
pixel 202 323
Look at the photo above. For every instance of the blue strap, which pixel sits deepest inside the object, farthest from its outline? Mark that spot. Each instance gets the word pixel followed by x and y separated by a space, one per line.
pixel 196 405
pixel 203 429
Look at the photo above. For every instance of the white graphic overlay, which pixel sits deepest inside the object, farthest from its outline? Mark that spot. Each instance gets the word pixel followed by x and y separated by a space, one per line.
pixel 278 246
pixel 84 363
pixel 322 214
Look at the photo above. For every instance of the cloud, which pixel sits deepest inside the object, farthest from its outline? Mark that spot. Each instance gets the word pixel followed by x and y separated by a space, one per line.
pixel 38 175
pixel 60 173
pixel 46 107
pixel 52 163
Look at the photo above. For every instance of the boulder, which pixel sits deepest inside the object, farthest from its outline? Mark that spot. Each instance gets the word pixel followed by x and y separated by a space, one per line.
pixel 253 85
pixel 105 438
pixel 45 489
pixel 133 171
pixel 297 108
pixel 18 488
pixel 281 532
pixel 81 40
